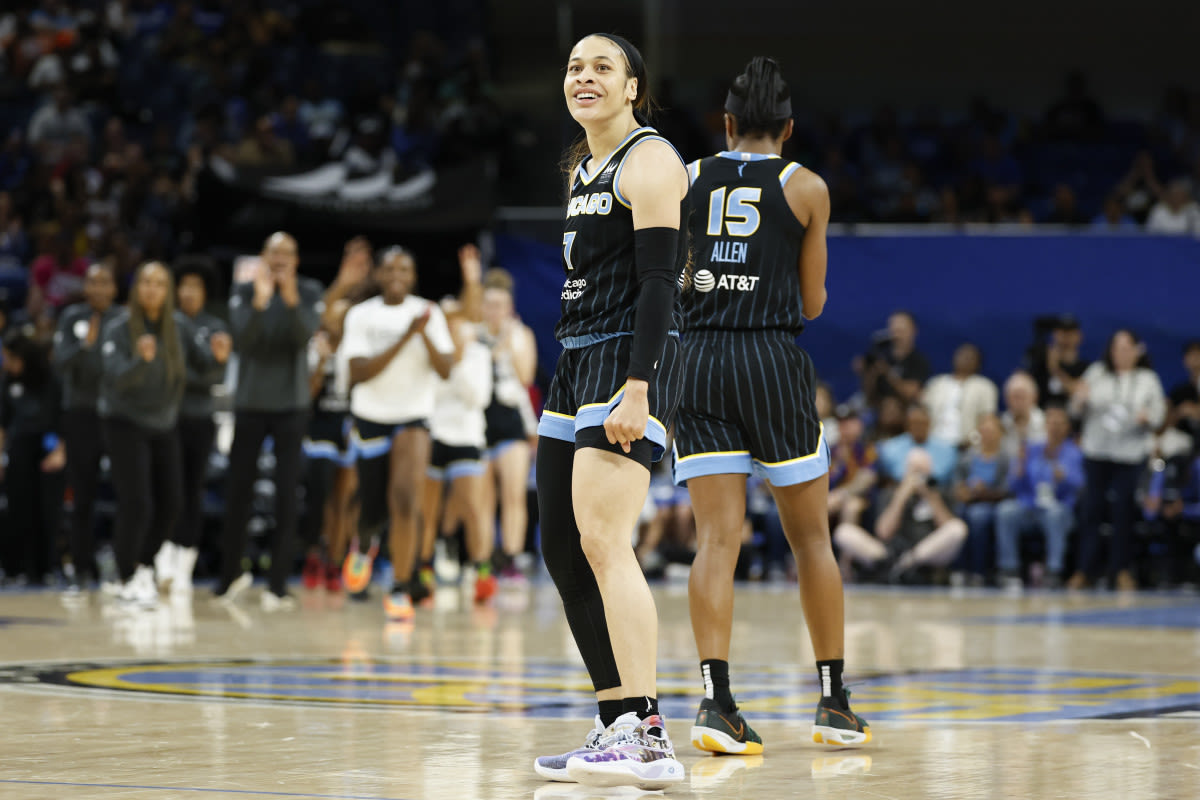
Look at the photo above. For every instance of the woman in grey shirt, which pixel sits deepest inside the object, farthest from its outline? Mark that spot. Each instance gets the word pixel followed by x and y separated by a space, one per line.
pixel 1121 401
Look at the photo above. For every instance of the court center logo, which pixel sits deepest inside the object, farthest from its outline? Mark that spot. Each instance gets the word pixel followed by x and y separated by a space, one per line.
pixel 551 689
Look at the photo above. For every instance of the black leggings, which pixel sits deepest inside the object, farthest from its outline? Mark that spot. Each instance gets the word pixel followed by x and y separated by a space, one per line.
pixel 287 429
pixel 146 477
pixel 34 510
pixel 85 447
pixel 319 477
pixel 567 564
pixel 196 436
pixel 1120 479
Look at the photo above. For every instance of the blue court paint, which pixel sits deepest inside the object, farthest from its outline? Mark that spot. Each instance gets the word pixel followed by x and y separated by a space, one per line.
pixel 198 789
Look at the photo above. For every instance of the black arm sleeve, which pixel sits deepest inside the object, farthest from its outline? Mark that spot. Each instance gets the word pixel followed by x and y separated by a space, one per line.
pixel 656 251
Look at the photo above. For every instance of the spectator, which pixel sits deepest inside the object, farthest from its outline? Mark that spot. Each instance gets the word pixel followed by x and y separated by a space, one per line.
pixel 1113 218
pixel 79 364
pixel 289 126
pixel 893 453
pixel 1121 401
pixel 1065 208
pixel 851 468
pixel 57 274
pixel 1024 422
pixel 1056 366
pixel 914 529
pixel 894 366
pixel 14 244
pixel 1184 399
pixel 1176 212
pixel 981 481
pixel 825 411
pixel 29 425
pixel 272 319
pixel 1046 484
pixel 264 148
pixel 959 400
pixel 58 128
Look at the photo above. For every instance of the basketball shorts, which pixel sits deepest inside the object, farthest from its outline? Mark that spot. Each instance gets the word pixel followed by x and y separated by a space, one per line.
pixel 374 439
pixel 448 461
pixel 589 382
pixel 330 438
pixel 747 407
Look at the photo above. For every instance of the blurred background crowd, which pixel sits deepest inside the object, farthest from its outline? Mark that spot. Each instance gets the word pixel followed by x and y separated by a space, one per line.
pixel 1074 467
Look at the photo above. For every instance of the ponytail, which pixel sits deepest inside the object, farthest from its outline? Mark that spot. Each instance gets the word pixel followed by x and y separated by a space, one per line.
pixel 760 100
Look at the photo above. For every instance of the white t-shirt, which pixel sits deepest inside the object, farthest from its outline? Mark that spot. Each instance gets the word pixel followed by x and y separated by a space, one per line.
pixel 404 390
pixel 1163 220
pixel 458 418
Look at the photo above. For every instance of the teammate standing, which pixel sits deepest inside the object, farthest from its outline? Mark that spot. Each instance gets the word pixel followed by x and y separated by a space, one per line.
pixel 397 346
pixel 748 398
pixel 173 566
pixel 76 359
pixel 612 397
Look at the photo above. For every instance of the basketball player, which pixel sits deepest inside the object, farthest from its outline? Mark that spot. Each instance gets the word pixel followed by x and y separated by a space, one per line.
pixel 609 404
pixel 176 559
pixel 457 427
pixel 748 399
pixel 147 351
pixel 514 361
pixel 76 359
pixel 397 346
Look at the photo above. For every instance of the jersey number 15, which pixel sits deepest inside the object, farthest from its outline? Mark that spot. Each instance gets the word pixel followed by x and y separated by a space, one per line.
pixel 734 213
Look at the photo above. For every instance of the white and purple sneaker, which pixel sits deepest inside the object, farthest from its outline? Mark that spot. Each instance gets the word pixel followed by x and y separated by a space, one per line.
pixel 554 768
pixel 645 758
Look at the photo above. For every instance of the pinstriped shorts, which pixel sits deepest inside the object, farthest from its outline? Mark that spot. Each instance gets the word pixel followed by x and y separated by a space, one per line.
pixel 589 382
pixel 748 406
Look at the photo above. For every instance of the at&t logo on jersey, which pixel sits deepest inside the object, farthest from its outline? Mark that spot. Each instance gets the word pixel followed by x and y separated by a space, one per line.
pixel 705 281
pixel 595 203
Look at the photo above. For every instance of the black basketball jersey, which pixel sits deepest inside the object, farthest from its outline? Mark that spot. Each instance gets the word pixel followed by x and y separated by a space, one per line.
pixel 599 295
pixel 747 245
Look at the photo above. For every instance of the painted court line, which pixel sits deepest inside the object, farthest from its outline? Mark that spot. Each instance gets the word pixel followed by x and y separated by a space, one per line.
pixel 199 789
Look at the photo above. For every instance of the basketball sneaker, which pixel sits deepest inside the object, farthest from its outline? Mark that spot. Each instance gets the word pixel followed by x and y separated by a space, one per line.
pixel 717 731
pixel 398 606
pixel 836 725
pixel 357 568
pixel 485 585
pixel 424 586
pixel 645 759
pixel 554 768
pixel 333 578
pixel 313 571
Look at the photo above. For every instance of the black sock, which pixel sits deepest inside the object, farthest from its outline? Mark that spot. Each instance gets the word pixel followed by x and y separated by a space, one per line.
pixel 641 705
pixel 610 710
pixel 830 674
pixel 400 587
pixel 715 673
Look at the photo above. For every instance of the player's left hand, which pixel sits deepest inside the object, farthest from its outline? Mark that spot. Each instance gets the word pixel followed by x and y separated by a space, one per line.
pixel 627 422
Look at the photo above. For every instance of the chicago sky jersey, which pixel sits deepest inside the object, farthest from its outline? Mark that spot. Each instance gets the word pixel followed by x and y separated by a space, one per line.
pixel 600 292
pixel 747 244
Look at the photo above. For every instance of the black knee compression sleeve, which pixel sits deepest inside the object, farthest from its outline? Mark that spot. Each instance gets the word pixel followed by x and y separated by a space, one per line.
pixel 567 564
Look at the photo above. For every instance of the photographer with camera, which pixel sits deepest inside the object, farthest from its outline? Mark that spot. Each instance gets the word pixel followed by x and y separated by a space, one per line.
pixel 893 366
pixel 915 528
pixel 1053 360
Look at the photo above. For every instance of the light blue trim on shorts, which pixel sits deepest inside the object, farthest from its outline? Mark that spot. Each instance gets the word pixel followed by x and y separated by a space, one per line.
pixel 328 451
pixel 496 450
pixel 463 468
pixel 589 339
pixel 703 465
pixel 557 426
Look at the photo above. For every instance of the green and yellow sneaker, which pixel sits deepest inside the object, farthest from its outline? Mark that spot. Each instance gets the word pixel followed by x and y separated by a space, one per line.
pixel 839 726
pixel 716 731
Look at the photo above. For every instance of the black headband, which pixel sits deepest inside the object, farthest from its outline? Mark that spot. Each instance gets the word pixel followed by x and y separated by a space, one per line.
pixel 632 56
pixel 736 105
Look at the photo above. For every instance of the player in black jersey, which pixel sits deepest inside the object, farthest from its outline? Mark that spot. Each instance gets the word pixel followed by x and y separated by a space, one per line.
pixel 758 229
pixel 612 397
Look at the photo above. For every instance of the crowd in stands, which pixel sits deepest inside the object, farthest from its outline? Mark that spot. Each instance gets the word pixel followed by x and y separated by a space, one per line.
pixel 1073 474
pixel 111 108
